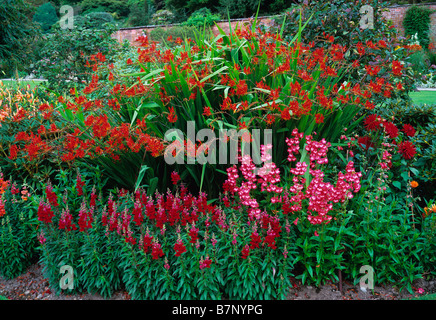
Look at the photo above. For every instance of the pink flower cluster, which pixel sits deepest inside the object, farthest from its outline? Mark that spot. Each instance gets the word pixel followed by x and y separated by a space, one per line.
pixel 308 188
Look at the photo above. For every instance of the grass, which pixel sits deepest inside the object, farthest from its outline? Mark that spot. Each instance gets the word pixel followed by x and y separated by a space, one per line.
pixel 13 84
pixel 428 97
pixel 3 298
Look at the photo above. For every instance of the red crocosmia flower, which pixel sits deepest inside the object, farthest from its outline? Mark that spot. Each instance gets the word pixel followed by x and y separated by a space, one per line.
pixel 13 152
pixel 129 61
pixel 179 247
pixel 372 70
pixel 391 129
pixel 207 112
pixel 319 118
pixel 172 117
pixel 245 252
pixel 400 86
pixel 397 68
pixel 372 122
pixel 175 177
pixel 407 150
pixel 408 130
pixel 369 105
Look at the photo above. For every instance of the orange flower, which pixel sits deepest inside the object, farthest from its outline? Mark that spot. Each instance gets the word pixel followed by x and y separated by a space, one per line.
pixel 414 184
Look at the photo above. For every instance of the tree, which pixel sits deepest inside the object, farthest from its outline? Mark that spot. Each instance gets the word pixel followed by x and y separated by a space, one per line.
pixel 18 34
pixel 46 16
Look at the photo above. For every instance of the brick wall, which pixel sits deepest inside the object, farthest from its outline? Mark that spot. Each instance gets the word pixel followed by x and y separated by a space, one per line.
pixel 397 13
pixel 394 13
pixel 132 33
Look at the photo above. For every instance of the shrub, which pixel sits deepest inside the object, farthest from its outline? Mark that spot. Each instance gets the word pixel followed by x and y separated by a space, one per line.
pixel 46 16
pixel 64 53
pixel 94 20
pixel 202 18
pixel 18 34
pixel 417 21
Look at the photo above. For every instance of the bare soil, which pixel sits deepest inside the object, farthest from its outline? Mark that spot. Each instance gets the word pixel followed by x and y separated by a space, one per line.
pixel 33 286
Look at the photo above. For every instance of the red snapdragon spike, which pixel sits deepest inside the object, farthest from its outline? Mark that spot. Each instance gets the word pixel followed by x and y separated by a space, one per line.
pixel 206 263
pixel 255 240
pixel 45 212
pixel 245 252
pixel 51 196
pixel 175 178
pixel 79 185
pixel 179 247
pixel 193 233
pixel 156 251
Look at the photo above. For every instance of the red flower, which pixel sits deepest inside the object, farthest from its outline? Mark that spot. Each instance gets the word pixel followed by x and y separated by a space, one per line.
pixel 408 130
pixel 179 247
pixel 255 240
pixel 391 129
pixel 365 142
pixel 79 185
pixel 13 151
pixel 397 67
pixel 129 61
pixel 175 177
pixel 51 196
pixel 407 150
pixel 207 112
pixel 372 71
pixel 156 251
pixel 193 233
pixel 172 117
pixel 245 252
pixel 372 122
pixel 319 118
pixel 147 242
pixel 205 263
pixel 45 213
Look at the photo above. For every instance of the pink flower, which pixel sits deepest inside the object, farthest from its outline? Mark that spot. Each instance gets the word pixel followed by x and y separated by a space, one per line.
pixel 421 291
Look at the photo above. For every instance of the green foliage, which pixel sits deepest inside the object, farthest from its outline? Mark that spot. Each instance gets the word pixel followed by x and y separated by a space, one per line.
pixel 248 8
pixel 65 52
pixel 46 16
pixel 17 232
pixel 202 17
pixel 18 34
pixel 140 13
pixel 95 20
pixel 417 21
pixel 182 32
pixel 118 7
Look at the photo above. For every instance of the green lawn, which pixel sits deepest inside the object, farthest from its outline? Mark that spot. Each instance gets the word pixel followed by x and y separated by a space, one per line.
pixel 421 97
pixel 3 298
pixel 12 84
